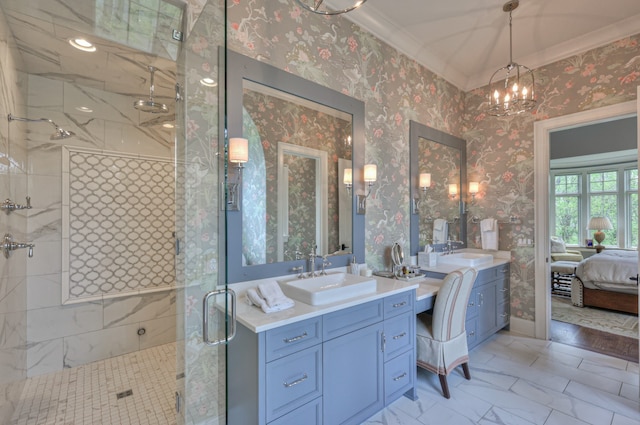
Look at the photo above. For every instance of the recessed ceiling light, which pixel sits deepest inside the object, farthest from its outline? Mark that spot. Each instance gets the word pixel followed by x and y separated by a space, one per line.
pixel 168 125
pixel 209 82
pixel 84 109
pixel 82 44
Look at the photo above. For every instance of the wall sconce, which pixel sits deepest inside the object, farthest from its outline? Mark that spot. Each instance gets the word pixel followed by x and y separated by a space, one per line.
pixel 453 191
pixel 238 154
pixel 474 188
pixel 424 182
pixel 348 179
pixel 370 177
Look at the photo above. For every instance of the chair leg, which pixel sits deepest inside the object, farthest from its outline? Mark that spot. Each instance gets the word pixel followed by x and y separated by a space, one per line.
pixel 465 369
pixel 444 385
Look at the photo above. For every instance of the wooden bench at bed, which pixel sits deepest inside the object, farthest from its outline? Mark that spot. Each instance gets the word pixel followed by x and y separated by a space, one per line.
pixel 618 301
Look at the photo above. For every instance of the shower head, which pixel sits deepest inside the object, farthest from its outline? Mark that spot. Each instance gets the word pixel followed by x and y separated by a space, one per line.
pixel 58 134
pixel 150 105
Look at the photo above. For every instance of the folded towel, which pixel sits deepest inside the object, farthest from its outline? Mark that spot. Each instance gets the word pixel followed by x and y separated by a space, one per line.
pixel 254 298
pixel 440 231
pixel 272 293
pixel 489 237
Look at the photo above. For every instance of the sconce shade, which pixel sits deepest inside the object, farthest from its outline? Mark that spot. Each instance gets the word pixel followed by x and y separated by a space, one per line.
pixel 425 180
pixel 348 177
pixel 238 150
pixel 453 190
pixel 598 224
pixel 370 173
pixel 474 187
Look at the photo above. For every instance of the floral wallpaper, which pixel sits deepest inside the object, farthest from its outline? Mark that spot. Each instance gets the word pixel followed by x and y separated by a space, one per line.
pixel 500 150
pixel 334 52
pixel 338 54
pixel 269 121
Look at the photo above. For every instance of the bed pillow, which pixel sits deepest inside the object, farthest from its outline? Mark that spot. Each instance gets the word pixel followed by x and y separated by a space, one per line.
pixel 557 245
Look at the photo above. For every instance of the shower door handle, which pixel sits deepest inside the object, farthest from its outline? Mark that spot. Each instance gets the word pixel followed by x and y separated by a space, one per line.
pixel 205 317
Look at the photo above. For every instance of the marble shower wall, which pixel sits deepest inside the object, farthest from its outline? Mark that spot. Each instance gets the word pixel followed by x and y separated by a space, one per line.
pixel 500 150
pixel 13 185
pixel 70 335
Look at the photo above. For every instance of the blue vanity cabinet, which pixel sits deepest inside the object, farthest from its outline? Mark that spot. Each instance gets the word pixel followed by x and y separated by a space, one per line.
pixel 488 309
pixel 339 368
pixel 492 297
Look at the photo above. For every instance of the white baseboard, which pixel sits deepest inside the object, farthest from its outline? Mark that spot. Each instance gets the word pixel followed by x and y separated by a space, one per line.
pixel 522 327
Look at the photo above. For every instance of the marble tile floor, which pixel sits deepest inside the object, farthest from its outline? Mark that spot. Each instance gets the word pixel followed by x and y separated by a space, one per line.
pixel 88 394
pixel 514 381
pixel 522 381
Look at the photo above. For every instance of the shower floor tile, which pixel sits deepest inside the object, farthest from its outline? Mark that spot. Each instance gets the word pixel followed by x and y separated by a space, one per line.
pixel 144 380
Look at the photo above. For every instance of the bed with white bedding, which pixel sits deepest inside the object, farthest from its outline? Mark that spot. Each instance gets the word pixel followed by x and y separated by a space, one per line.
pixel 607 280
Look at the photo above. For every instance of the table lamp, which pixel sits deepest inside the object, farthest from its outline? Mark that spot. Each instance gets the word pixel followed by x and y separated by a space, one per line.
pixel 598 224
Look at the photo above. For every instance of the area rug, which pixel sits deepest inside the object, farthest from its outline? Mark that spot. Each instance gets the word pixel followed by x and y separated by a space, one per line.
pixel 604 320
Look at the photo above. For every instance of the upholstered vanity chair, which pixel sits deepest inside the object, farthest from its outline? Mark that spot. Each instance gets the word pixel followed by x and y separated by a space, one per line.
pixel 441 336
pixel 559 251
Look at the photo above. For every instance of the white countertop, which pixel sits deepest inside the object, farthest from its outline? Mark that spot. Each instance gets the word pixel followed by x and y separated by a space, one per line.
pixel 499 258
pixel 254 319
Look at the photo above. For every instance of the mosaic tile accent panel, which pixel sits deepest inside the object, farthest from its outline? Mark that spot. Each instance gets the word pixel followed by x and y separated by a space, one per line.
pixel 120 225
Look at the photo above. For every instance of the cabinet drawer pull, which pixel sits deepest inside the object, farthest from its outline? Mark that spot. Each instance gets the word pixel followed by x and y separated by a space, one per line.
pixel 296 382
pixel 397 378
pixel 503 315
pixel 403 303
pixel 295 338
pixel 472 333
pixel 472 304
pixel 504 270
pixel 505 289
pixel 400 336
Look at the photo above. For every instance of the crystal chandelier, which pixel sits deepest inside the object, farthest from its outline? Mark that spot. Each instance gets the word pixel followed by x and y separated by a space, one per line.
pixel 511 88
pixel 336 7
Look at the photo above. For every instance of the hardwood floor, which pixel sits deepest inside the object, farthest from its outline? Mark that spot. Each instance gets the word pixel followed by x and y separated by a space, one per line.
pixel 613 345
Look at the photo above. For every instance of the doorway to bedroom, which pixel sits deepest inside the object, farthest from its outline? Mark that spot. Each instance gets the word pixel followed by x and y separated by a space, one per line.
pixel 593 169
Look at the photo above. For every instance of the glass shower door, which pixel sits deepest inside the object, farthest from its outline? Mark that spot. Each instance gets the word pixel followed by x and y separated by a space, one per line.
pixel 204 322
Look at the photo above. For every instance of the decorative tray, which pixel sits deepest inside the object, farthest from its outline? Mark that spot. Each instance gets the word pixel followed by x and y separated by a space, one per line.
pixel 411 278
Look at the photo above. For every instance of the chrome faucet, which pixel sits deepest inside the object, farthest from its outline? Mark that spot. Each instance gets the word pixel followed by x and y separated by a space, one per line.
pixel 299 270
pixel 325 263
pixel 312 262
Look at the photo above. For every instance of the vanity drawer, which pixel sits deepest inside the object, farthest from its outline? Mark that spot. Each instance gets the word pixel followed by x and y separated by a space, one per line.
pixel 399 375
pixel 398 335
pixel 398 304
pixel 309 414
pixel 288 339
pixel 504 313
pixel 350 319
pixel 293 381
pixel 502 289
pixel 493 273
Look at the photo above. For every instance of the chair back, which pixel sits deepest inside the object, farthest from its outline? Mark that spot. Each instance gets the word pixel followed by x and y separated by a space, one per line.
pixel 450 309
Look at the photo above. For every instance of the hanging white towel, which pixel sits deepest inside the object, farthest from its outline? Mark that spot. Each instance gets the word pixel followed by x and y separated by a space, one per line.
pixel 489 233
pixel 440 231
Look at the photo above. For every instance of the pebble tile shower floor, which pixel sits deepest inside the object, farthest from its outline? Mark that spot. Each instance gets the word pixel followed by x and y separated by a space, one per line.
pixel 89 394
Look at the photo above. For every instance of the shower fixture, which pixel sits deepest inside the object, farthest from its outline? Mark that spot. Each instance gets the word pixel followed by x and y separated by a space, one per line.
pixel 58 134
pixel 150 105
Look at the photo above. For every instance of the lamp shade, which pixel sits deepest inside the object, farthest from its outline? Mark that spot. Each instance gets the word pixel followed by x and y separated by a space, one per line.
pixel 238 150
pixel 370 173
pixel 453 189
pixel 600 223
pixel 425 180
pixel 474 187
pixel 348 176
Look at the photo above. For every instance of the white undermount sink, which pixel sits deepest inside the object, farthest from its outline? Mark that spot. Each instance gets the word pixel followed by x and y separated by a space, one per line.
pixel 327 289
pixel 470 259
